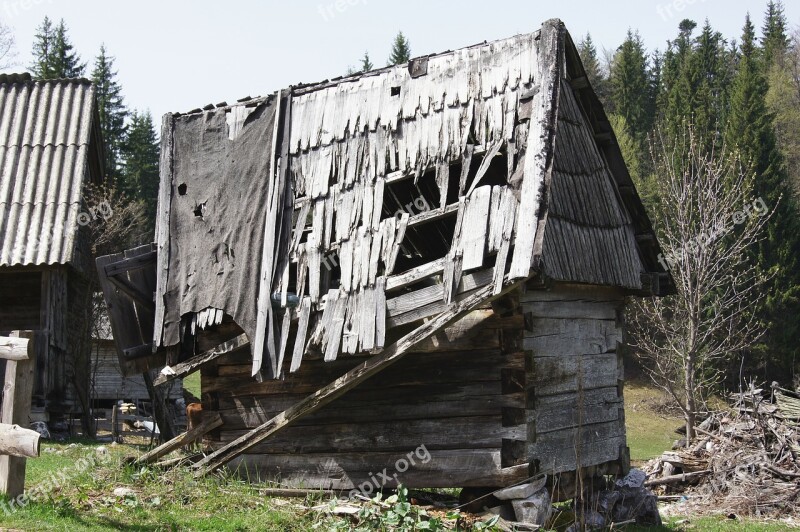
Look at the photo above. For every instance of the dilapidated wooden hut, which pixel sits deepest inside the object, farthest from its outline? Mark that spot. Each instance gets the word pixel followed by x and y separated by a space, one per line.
pixel 50 149
pixel 426 256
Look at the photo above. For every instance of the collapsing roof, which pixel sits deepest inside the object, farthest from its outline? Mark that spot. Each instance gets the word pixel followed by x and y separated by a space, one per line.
pixel 47 134
pixel 345 209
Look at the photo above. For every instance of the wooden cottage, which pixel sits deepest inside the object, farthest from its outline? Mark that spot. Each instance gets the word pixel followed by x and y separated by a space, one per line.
pixel 417 270
pixel 49 149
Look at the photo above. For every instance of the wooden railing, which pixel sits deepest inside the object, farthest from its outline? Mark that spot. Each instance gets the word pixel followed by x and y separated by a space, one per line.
pixel 16 441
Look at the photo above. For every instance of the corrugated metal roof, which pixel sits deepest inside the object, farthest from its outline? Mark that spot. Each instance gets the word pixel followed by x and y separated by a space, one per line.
pixel 45 131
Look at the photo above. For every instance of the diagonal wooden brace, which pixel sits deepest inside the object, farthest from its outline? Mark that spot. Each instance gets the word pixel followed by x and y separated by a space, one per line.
pixel 348 381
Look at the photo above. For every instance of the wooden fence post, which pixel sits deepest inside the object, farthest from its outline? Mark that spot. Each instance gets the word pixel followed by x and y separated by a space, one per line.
pixel 17 391
pixel 115 423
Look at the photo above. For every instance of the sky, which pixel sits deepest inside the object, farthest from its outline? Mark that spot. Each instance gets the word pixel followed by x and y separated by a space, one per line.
pixel 177 55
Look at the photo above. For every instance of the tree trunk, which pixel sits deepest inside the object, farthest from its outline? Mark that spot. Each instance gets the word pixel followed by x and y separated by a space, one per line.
pixel 691 403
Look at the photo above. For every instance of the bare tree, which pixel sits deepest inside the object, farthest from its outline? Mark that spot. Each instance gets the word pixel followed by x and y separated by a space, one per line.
pixel 708 222
pixel 8 54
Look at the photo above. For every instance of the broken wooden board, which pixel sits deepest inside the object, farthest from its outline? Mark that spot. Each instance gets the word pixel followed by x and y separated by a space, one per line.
pixel 187 367
pixel 208 424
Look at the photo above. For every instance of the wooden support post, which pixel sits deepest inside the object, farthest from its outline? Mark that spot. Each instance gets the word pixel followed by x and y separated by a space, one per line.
pixel 160 414
pixel 348 381
pixel 181 440
pixel 16 411
pixel 114 423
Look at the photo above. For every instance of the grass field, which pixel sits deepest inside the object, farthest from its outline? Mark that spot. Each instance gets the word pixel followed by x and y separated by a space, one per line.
pixel 650 431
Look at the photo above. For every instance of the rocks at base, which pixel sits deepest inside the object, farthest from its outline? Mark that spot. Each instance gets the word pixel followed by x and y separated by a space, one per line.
pixel 522 491
pixel 535 509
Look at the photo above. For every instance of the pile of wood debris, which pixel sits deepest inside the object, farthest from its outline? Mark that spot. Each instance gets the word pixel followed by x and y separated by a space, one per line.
pixel 743 461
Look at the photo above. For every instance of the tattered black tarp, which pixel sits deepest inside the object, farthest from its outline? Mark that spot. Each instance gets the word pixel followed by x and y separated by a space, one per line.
pixel 221 169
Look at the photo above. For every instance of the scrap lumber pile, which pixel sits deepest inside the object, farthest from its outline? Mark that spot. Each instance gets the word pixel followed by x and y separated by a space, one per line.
pixel 743 461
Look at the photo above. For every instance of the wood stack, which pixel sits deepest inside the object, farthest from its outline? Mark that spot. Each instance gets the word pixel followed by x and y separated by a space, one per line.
pixel 743 461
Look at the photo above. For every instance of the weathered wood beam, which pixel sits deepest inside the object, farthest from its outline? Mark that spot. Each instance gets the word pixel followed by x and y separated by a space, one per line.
pixel 406 278
pixel 676 479
pixel 346 382
pixel 15 348
pixel 140 351
pixel 131 263
pixel 193 364
pixel 419 298
pixel 208 424
pixel 432 215
pixel 430 306
pixel 16 441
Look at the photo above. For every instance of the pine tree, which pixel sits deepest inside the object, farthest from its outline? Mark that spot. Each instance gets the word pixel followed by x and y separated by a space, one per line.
pixel 656 84
pixel 366 64
pixel 630 87
pixel 111 109
pixel 775 41
pixel 750 130
pixel 591 64
pixel 675 102
pixel 67 59
pixel 709 100
pixel 42 66
pixel 401 50
pixel 54 56
pixel 696 80
pixel 139 163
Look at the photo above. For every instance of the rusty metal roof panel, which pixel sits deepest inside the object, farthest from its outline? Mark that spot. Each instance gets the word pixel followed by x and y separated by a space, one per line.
pixel 45 130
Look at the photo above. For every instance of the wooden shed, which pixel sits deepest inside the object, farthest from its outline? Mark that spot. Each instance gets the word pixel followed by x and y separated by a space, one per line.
pixel 431 256
pixel 108 384
pixel 49 149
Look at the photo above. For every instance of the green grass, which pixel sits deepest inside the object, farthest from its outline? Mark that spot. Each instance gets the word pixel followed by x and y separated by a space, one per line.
pixel 192 383
pixel 723 524
pixel 73 486
pixel 650 432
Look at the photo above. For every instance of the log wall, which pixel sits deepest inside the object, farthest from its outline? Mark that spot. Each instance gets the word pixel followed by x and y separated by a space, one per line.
pixel 492 398
pixel 448 395
pixel 109 383
pixel 52 302
pixel 575 412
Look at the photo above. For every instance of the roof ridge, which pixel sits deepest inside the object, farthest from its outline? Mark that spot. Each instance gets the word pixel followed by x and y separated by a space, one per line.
pixel 25 77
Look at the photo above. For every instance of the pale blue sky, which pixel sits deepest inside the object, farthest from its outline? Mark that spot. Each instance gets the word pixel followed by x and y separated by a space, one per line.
pixel 178 55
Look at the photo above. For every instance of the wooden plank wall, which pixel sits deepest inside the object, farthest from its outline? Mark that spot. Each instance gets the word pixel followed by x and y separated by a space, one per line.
pixel 575 412
pixel 110 384
pixel 449 395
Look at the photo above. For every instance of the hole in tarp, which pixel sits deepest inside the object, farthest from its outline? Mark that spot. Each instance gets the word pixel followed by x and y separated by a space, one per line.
pixel 395 91
pixel 200 209
pixel 182 189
